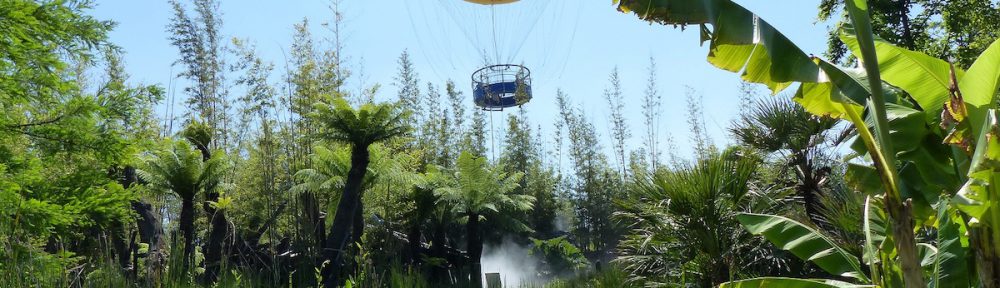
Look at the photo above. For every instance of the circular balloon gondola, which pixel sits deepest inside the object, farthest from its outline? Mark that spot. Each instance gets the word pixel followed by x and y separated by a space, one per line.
pixel 496 31
pixel 496 87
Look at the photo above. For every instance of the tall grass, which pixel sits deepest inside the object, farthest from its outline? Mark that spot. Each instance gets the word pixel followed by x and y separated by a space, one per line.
pixel 608 278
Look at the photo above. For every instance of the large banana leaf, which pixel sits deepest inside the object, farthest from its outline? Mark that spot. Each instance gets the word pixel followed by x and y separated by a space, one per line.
pixel 926 169
pixel 874 229
pixel 740 41
pixel 980 85
pixel 835 92
pixel 925 78
pixel 906 128
pixel 951 261
pixel 978 195
pixel 766 282
pixel 804 242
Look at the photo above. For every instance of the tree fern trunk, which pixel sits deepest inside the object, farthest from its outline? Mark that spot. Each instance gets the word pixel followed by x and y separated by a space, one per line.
pixel 808 186
pixel 438 250
pixel 219 226
pixel 344 218
pixel 475 247
pixel 413 243
pixel 187 229
pixel 359 222
pixel 151 232
pixel 215 244
pixel 313 224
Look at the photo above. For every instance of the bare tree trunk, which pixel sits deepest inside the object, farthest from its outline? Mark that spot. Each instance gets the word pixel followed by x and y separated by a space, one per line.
pixel 219 229
pixel 904 16
pixel 133 248
pixel 985 257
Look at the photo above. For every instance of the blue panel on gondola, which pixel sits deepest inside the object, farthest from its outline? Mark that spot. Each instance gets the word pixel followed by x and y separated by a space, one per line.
pixel 501 86
pixel 501 95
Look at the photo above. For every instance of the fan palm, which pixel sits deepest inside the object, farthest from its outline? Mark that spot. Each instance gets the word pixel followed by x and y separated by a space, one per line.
pixel 179 169
pixel 362 127
pixel 778 125
pixel 478 190
pixel 683 226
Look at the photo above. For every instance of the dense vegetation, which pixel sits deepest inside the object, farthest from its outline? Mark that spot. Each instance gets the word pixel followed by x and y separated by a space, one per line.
pixel 881 175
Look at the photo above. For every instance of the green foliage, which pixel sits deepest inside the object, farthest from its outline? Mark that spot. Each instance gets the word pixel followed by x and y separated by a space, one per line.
pixel 198 133
pixel 331 166
pixel 199 43
pixel 361 127
pixel 684 225
pixel 66 151
pixel 559 256
pixel 620 132
pixel 179 169
pixel 61 144
pixel 607 278
pixel 44 36
pixel 523 153
pixel 777 124
pixel 594 187
pixel 483 189
pixel 951 260
pixel 787 282
pixel 954 29
pixel 896 125
pixel 804 242
pixel 652 103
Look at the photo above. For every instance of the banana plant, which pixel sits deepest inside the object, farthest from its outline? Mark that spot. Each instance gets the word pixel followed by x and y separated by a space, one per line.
pixel 945 265
pixel 934 136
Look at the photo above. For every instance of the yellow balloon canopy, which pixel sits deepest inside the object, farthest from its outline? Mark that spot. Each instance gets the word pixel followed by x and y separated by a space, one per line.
pixel 491 2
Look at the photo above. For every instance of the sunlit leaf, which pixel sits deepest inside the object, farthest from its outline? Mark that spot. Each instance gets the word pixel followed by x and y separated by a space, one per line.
pixel 765 282
pixel 951 261
pixel 805 242
pixel 925 78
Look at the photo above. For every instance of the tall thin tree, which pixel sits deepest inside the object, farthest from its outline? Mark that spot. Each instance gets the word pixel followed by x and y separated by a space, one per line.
pixel 651 112
pixel 620 132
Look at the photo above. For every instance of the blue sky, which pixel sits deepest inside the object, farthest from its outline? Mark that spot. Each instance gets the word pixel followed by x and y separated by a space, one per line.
pixel 377 31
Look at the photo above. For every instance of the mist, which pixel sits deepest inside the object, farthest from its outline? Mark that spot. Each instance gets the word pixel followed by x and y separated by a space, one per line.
pixel 514 263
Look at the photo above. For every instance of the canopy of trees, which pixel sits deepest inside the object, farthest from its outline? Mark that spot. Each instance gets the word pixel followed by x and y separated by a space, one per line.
pixel 877 170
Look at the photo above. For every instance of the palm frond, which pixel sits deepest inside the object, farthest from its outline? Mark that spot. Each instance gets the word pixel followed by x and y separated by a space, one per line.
pixel 682 222
pixel 778 123
pixel 179 169
pixel 369 124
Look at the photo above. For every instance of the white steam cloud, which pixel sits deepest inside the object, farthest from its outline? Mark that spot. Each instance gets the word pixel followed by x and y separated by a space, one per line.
pixel 516 266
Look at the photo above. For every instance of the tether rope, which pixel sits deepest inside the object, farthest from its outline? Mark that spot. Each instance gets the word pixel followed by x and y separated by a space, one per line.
pixel 493 144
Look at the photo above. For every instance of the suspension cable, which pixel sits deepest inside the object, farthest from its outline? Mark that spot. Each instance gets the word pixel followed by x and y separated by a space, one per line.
pixel 493 144
pixel 493 17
